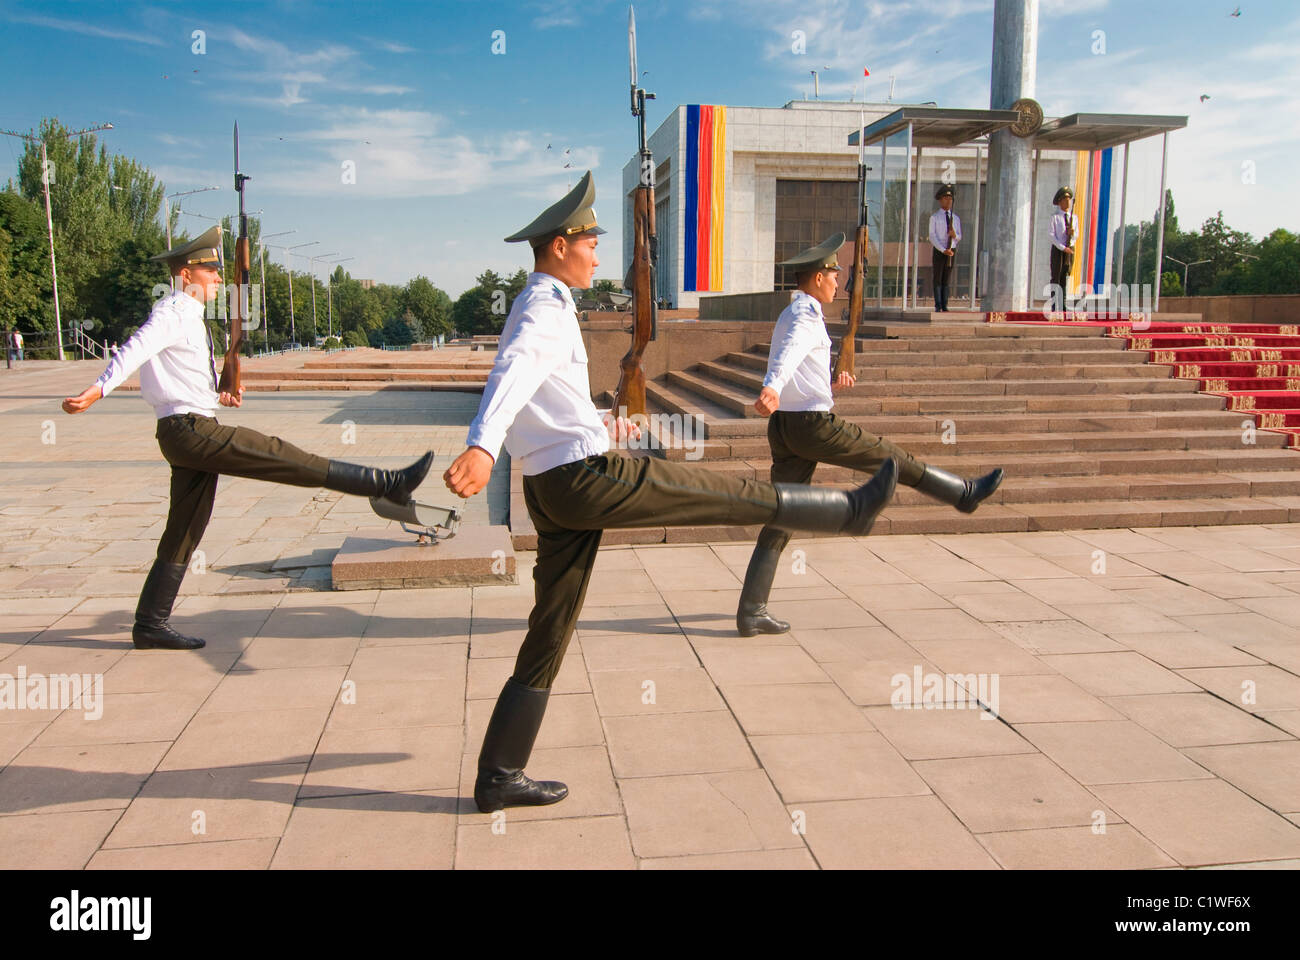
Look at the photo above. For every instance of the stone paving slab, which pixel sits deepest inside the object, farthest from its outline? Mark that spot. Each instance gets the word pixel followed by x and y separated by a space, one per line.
pixel 1140 688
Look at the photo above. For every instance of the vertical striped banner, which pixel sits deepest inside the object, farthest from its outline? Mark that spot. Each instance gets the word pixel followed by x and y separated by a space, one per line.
pixel 1082 181
pixel 1100 263
pixel 691 217
pixel 706 186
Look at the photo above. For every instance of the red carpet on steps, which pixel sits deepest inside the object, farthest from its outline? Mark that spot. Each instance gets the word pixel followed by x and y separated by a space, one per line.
pixel 1255 367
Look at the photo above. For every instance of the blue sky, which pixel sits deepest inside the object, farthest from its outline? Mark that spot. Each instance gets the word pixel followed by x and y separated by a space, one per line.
pixel 449 140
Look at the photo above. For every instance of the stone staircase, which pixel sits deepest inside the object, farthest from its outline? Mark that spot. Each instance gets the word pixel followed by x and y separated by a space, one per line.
pixel 365 370
pixel 1089 432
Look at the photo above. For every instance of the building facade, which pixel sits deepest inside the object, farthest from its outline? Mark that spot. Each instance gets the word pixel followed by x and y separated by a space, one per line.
pixel 738 189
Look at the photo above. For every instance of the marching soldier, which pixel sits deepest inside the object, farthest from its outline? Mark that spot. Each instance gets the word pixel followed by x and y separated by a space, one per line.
pixel 1063 229
pixel 178 377
pixel 945 234
pixel 802 431
pixel 537 403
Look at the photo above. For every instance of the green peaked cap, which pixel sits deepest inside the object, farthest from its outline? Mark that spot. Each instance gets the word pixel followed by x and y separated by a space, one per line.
pixel 1062 193
pixel 571 214
pixel 820 257
pixel 206 248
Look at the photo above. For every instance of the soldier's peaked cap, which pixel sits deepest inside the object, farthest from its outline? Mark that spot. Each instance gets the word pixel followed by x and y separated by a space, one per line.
pixel 1062 193
pixel 820 257
pixel 944 191
pixel 206 249
pixel 570 215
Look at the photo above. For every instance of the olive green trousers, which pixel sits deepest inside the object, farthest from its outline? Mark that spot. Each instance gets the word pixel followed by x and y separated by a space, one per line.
pixel 571 504
pixel 800 441
pixel 199 449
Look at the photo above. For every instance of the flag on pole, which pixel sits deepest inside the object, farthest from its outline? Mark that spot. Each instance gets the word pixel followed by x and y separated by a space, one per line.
pixel 866 72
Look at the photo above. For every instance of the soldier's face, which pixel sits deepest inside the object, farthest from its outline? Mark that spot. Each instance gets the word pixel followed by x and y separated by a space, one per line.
pixel 573 260
pixel 825 285
pixel 201 281
pixel 945 202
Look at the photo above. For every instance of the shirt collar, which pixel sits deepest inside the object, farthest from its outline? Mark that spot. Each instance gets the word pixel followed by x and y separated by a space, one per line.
pixel 538 278
pixel 811 301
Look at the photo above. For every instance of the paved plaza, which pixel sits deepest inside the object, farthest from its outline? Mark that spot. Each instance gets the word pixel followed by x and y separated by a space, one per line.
pixel 1146 682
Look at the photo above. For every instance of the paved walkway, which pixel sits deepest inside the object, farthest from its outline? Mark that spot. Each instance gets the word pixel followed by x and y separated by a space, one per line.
pixel 1147 683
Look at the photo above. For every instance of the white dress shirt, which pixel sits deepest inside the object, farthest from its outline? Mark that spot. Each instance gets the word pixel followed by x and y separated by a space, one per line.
pixel 799 363
pixel 537 400
pixel 1057 231
pixel 173 352
pixel 939 230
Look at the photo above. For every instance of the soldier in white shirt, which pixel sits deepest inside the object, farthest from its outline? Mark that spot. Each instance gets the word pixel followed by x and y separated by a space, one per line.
pixel 178 377
pixel 1062 230
pixel 802 431
pixel 537 402
pixel 945 234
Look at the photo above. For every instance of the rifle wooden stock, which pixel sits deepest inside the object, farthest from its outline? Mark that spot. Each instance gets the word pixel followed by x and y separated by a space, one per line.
pixel 630 395
pixel 230 379
pixel 844 362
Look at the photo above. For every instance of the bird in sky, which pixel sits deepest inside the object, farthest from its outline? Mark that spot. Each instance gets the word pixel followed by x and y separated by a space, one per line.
pixel 1236 12
pixel 1204 97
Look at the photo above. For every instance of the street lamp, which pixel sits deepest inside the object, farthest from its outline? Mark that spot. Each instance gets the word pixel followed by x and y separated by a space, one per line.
pixel 167 208
pixel 49 218
pixel 288 259
pixel 1186 267
pixel 319 256
pixel 329 288
pixel 261 259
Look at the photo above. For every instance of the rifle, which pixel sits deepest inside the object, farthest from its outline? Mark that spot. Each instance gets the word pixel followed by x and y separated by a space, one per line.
pixel 239 302
pixel 640 279
pixel 858 278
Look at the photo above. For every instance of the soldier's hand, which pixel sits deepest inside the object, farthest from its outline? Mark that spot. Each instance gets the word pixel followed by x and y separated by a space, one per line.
pixel 469 473
pixel 231 399
pixel 951 251
pixel 768 401
pixel 621 429
pixel 83 400
pixel 845 379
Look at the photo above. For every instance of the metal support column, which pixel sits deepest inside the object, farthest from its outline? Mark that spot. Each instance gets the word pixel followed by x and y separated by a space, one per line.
pixel 1160 227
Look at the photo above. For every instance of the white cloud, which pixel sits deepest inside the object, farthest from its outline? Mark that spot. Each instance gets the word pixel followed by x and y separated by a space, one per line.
pixel 89 29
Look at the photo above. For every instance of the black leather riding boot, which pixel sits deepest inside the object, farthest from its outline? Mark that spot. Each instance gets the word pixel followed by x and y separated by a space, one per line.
pixel 395 485
pixel 752 616
pixel 151 630
pixel 506 747
pixel 823 510
pixel 961 493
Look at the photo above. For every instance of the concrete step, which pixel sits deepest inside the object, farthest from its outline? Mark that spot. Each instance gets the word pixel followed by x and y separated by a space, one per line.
pixel 1096 463
pixel 998 518
pixel 371 376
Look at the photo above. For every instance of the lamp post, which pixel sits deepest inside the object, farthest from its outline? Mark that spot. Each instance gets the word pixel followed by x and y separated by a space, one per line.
pixel 288 259
pixel 1186 267
pixel 319 256
pixel 261 259
pixel 329 289
pixel 167 208
pixel 49 218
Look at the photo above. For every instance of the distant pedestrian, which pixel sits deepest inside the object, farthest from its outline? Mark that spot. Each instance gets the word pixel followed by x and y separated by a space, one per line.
pixel 18 345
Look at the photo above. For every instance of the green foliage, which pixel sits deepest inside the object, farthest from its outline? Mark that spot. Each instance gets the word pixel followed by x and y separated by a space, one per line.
pixel 401 329
pixel 332 343
pixel 430 306
pixel 1220 260
pixel 24 266
pixel 355 338
pixel 482 309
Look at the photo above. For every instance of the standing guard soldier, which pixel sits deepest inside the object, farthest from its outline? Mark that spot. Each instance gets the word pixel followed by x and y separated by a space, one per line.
pixel 537 402
pixel 802 431
pixel 945 234
pixel 1063 229
pixel 178 377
